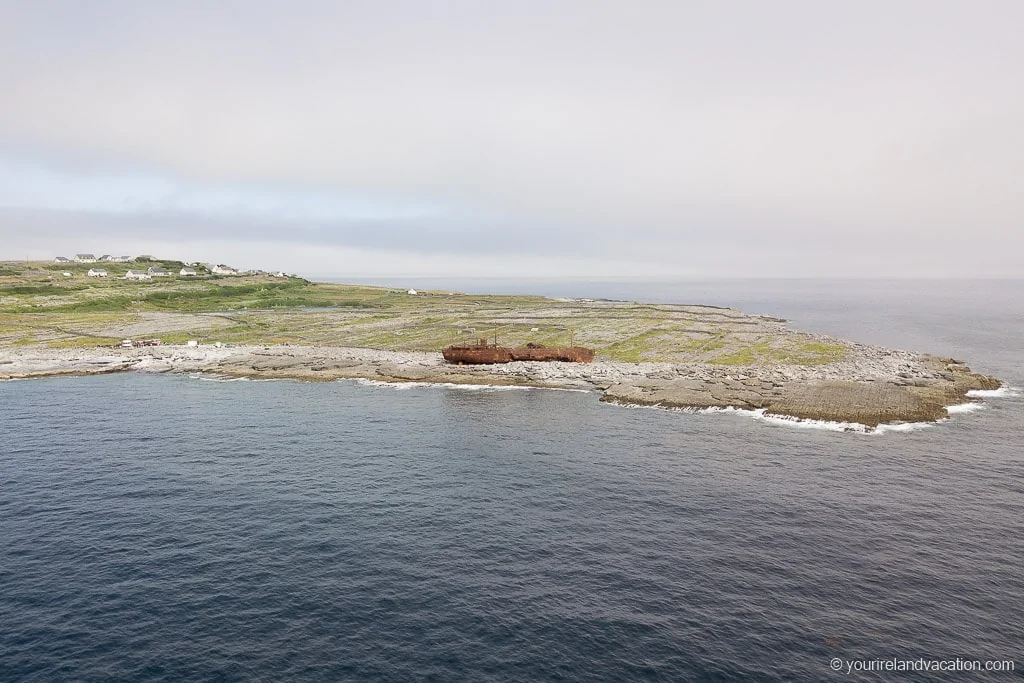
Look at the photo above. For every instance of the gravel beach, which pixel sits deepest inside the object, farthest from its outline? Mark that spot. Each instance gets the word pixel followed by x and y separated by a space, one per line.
pixel 870 386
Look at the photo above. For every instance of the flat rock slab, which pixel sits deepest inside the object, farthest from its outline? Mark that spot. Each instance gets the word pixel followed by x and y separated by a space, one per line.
pixel 919 391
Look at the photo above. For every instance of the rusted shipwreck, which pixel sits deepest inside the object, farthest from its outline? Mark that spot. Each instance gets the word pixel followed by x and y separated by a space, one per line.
pixel 483 353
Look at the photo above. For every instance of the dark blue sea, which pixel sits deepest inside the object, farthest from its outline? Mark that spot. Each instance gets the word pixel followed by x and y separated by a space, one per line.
pixel 168 528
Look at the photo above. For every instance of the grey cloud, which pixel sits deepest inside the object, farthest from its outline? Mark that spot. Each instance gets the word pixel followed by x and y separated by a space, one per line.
pixel 787 130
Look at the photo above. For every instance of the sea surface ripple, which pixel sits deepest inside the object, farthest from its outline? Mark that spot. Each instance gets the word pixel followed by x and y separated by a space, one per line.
pixel 161 528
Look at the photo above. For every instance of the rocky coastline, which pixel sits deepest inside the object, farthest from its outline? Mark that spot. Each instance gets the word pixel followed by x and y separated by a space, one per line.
pixel 871 386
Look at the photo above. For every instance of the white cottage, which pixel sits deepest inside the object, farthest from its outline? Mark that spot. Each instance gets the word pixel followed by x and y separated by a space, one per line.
pixel 97 272
pixel 187 272
pixel 85 258
pixel 137 275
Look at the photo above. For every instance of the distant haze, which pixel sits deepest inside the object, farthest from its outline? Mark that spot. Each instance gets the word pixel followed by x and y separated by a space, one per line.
pixel 459 138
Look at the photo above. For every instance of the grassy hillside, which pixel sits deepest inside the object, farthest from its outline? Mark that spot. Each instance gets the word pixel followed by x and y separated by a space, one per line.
pixel 40 305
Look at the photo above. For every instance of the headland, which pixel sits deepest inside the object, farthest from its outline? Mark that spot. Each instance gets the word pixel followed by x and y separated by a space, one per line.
pixel 55 319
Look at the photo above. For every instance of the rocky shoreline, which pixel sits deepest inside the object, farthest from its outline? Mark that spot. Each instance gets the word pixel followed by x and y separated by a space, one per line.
pixel 870 386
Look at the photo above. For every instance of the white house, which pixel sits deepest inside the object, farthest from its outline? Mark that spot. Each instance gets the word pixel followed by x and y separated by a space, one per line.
pixel 137 275
pixel 187 272
pixel 221 269
pixel 62 259
pixel 85 258
pixel 157 271
pixel 105 258
pixel 412 291
pixel 121 259
pixel 97 272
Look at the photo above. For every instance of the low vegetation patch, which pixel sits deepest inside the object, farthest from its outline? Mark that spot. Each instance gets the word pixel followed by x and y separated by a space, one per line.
pixel 38 303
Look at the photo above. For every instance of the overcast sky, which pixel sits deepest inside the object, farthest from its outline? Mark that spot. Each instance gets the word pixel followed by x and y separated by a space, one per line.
pixel 774 138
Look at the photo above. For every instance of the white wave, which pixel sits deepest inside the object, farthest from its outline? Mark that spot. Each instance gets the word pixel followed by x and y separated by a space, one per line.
pixel 404 386
pixel 762 415
pixel 208 377
pixel 964 408
pixel 1001 392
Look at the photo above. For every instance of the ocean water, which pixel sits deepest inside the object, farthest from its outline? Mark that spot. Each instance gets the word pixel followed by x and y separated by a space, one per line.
pixel 167 528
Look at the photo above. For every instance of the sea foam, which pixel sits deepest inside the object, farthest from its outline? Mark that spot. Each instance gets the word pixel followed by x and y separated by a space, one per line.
pixel 762 415
pixel 404 386
pixel 1001 392
pixel 964 408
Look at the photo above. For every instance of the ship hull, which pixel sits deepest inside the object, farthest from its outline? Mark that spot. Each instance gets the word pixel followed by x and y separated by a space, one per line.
pixel 465 354
pixel 475 355
pixel 567 354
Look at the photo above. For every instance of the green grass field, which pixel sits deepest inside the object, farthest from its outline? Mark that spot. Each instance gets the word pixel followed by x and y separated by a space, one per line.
pixel 41 306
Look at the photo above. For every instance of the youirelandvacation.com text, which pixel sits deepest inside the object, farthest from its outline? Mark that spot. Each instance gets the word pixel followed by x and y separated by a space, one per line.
pixel 849 666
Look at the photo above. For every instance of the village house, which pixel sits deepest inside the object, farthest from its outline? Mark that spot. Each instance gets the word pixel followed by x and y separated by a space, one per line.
pixel 97 272
pixel 137 275
pixel 62 259
pixel 121 259
pixel 187 272
pixel 85 258
pixel 157 271
pixel 106 258
pixel 221 269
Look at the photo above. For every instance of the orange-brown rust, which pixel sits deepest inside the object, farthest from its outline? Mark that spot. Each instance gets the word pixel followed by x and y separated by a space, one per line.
pixel 486 354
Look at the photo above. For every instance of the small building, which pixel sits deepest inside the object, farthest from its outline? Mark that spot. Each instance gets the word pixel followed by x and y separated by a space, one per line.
pixel 97 272
pixel 121 259
pixel 106 258
pixel 221 269
pixel 412 292
pixel 157 271
pixel 62 259
pixel 85 258
pixel 187 272
pixel 137 275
